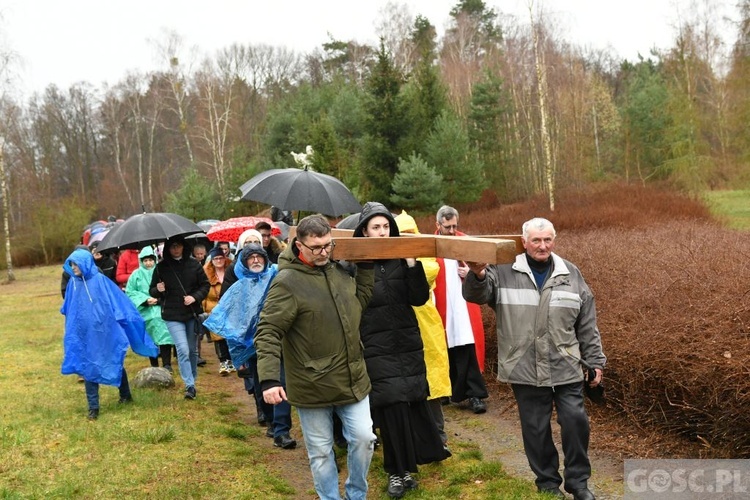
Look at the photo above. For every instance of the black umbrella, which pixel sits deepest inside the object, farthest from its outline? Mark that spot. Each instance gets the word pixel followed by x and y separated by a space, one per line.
pixel 349 222
pixel 301 189
pixel 146 229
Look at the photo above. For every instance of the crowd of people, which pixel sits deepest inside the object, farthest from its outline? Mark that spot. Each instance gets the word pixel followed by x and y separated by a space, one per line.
pixel 368 352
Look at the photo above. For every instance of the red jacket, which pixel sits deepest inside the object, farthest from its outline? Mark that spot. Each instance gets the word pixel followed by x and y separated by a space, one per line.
pixel 126 264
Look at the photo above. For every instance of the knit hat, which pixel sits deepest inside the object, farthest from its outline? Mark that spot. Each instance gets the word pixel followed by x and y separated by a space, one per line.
pixel 215 252
pixel 246 235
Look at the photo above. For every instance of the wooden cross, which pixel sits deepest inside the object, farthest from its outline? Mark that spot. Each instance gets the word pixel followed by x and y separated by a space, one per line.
pixel 494 249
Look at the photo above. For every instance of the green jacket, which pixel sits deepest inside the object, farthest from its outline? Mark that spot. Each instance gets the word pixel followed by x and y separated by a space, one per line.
pixel 312 315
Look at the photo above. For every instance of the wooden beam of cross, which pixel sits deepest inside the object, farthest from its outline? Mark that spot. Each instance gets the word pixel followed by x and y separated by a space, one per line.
pixel 500 249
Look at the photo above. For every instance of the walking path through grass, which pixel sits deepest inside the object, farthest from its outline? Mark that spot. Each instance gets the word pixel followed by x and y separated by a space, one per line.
pixel 164 446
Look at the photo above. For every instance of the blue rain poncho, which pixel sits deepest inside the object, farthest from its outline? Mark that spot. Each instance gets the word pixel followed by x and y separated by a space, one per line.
pixel 137 290
pixel 100 323
pixel 236 315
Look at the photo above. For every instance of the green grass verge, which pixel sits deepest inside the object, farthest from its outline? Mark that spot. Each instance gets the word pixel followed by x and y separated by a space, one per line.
pixel 733 207
pixel 160 446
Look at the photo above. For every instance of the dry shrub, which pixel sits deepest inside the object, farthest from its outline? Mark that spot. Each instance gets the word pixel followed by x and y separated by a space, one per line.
pixel 596 206
pixel 672 290
pixel 672 301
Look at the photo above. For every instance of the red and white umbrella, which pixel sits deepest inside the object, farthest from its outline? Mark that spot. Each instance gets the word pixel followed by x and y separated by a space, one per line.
pixel 231 229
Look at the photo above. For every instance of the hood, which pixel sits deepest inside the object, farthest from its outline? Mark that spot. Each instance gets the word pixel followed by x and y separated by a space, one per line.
pixel 147 251
pixel 241 269
pixel 251 249
pixel 406 223
pixel 370 210
pixel 85 262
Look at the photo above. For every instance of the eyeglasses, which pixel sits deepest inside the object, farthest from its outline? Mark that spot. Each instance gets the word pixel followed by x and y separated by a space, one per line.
pixel 319 250
pixel 452 227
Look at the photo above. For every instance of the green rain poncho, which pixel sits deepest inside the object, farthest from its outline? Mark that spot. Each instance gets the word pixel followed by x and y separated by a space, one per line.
pixel 137 291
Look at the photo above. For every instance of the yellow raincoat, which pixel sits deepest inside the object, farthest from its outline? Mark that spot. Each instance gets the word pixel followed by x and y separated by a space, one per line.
pixel 430 323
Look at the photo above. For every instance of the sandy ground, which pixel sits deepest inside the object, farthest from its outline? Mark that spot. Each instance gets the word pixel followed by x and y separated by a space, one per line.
pixel 496 432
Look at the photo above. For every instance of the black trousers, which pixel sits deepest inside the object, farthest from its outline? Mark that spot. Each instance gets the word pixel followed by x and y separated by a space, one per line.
pixel 535 410
pixel 165 352
pixel 222 350
pixel 466 378
pixel 409 436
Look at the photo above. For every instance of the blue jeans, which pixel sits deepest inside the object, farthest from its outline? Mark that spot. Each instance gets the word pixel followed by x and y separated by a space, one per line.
pixel 186 343
pixel 92 391
pixel 317 428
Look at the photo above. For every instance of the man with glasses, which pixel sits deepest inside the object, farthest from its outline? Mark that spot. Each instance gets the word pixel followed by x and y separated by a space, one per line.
pixel 462 321
pixel 271 245
pixel 312 314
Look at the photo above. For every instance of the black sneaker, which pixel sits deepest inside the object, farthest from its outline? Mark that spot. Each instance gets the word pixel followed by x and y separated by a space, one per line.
pixel 93 414
pixel 261 417
pixel 128 399
pixel 269 431
pixel 395 486
pixel 201 361
pixel 190 392
pixel 168 368
pixel 477 405
pixel 409 482
pixel 285 441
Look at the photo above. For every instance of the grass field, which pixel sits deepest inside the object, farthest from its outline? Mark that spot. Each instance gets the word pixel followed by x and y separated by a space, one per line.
pixel 161 446
pixel 733 207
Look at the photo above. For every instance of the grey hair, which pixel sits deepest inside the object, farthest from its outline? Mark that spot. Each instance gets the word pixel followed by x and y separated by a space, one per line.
pixel 313 225
pixel 539 224
pixel 446 212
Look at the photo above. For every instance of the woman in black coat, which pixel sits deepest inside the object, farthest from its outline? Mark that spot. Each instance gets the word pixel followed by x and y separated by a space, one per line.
pixel 181 284
pixel 394 355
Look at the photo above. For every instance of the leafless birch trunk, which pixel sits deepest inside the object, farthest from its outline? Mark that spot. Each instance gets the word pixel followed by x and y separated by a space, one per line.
pixel 541 73
pixel 6 210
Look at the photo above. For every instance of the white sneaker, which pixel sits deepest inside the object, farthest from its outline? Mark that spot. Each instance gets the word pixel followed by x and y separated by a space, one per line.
pixel 223 369
pixel 230 366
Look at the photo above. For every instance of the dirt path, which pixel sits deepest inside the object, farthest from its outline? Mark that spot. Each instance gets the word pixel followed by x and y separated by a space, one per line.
pixel 496 432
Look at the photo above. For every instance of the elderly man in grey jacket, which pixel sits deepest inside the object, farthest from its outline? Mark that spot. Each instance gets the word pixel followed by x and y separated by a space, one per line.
pixel 546 329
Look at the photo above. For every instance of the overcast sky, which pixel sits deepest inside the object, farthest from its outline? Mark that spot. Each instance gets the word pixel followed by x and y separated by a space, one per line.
pixel 66 41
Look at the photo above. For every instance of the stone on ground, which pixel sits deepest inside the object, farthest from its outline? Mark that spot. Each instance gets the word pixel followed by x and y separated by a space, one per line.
pixel 153 377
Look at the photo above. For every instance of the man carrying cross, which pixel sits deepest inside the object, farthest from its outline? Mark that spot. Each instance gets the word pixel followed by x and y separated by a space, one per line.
pixel 546 328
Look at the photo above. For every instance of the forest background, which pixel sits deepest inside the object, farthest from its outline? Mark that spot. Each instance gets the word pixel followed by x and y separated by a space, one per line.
pixel 492 109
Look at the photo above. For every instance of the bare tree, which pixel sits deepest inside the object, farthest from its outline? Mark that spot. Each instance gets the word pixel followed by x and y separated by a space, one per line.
pixel 5 192
pixel 7 63
pixel 394 27
pixel 215 84
pixel 178 73
pixel 542 89
pixel 114 115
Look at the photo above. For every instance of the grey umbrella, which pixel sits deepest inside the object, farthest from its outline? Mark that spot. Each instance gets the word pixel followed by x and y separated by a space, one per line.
pixel 146 229
pixel 301 189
